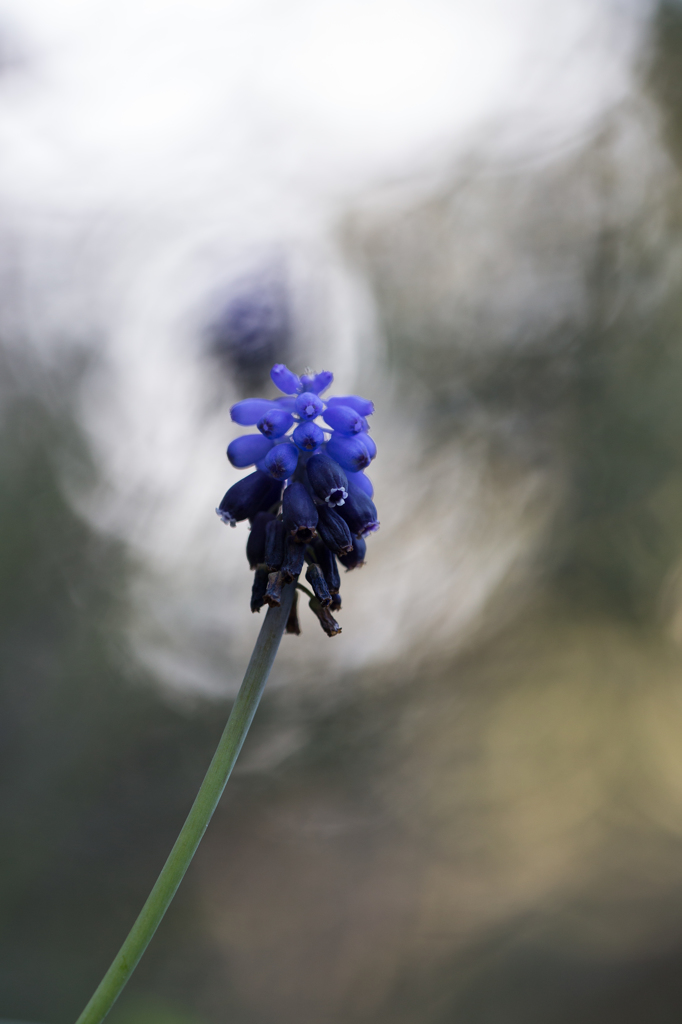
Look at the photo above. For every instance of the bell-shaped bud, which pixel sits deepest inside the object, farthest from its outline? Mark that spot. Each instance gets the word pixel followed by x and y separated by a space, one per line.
pixel 360 513
pixel 255 544
pixel 315 578
pixel 317 383
pixel 275 423
pixel 254 493
pixel 248 450
pixel 333 530
pixel 308 436
pixel 308 405
pixel 260 585
pixel 281 461
pixel 327 562
pixel 356 557
pixel 248 412
pixel 273 555
pixel 327 479
pixel 284 379
pixel 335 606
pixel 299 513
pixel 360 482
pixel 345 420
pixel 350 452
pixel 293 560
pixel 327 620
pixel 361 405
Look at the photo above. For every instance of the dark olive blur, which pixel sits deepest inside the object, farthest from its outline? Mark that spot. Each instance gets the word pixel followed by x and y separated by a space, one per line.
pixel 490 831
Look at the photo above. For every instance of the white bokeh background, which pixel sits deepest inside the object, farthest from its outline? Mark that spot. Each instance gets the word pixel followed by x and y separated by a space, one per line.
pixel 153 152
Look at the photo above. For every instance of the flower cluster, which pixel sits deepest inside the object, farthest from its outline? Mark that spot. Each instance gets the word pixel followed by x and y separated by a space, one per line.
pixel 308 500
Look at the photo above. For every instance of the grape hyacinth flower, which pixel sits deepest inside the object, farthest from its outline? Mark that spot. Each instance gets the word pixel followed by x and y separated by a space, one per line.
pixel 310 506
pixel 308 500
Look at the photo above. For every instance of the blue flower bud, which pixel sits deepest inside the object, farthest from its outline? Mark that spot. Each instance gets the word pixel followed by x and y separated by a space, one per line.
pixel 299 514
pixel 255 544
pixel 361 482
pixel 288 403
pixel 335 606
pixel 308 436
pixel 349 452
pixel 254 493
pixel 315 578
pixel 361 405
pixel 370 446
pixel 308 405
pixel 355 558
pixel 333 530
pixel 281 461
pixel 274 545
pixel 327 479
pixel 293 560
pixel 284 379
pixel 360 513
pixel 260 585
pixel 248 412
pixel 247 450
pixel 345 420
pixel 317 384
pixel 275 423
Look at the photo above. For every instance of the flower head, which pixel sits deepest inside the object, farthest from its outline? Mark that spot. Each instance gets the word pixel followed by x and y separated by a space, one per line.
pixel 309 500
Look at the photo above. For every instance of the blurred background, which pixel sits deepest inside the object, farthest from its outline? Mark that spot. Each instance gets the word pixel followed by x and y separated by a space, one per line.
pixel 468 807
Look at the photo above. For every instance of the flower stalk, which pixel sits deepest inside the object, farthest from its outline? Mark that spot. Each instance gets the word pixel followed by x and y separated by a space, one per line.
pixel 201 813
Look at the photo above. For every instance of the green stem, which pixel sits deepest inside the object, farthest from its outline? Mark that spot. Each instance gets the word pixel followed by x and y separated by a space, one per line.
pixel 201 813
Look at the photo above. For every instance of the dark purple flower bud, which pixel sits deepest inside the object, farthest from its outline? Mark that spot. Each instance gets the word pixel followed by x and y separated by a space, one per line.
pixel 327 620
pixel 333 530
pixel 260 585
pixel 361 405
pixel 317 384
pixel 281 461
pixel 247 450
pixel 355 558
pixel 254 493
pixel 335 606
pixel 360 482
pixel 360 513
pixel 308 436
pixel 299 513
pixel 292 625
pixel 274 545
pixel 273 593
pixel 327 562
pixel 284 379
pixel 248 412
pixel 315 578
pixel 255 544
pixel 345 420
pixel 275 423
pixel 327 479
pixel 350 452
pixel 308 405
pixel 293 560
